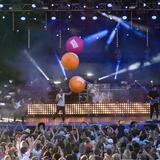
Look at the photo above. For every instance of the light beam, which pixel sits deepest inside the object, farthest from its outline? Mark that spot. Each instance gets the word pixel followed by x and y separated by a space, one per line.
pixel 30 58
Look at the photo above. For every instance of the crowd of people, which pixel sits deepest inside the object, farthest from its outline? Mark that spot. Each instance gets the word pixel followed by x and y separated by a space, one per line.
pixel 80 142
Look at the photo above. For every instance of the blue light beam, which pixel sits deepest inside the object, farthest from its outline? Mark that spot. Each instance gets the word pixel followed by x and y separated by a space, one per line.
pixel 30 58
pixel 117 69
pixel 94 37
pixel 123 24
pixel 134 66
pixel 62 68
pixel 112 35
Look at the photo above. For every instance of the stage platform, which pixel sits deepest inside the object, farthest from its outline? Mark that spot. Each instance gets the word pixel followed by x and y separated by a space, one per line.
pixel 92 113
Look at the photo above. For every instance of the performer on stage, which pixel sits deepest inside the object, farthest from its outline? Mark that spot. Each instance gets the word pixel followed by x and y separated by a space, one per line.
pixel 153 95
pixel 60 100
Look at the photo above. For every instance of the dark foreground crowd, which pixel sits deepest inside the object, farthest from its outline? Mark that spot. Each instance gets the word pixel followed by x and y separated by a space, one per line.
pixel 84 142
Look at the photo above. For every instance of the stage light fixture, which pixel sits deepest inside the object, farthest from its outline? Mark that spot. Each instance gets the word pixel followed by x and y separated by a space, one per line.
pixel 23 18
pixel 89 74
pixel 84 6
pixel 69 17
pixel 97 6
pixel 45 7
pixel 68 29
pixel 158 3
pixel 154 17
pixel 57 82
pixel 33 5
pixel 124 17
pixel 1 5
pixel 139 18
pixel 109 5
pixel 68 5
pixel 83 18
pixel 53 18
pixel 35 18
pixel 3 17
pixel 144 4
pixel 94 18
pixel 10 81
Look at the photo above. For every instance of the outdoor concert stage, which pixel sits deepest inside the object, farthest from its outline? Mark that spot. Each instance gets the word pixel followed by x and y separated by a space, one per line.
pixel 109 112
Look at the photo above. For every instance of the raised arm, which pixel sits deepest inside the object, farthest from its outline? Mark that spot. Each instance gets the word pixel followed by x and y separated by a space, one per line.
pixel 69 93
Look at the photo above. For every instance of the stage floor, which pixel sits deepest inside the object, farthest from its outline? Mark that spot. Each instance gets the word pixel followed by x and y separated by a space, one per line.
pixel 103 119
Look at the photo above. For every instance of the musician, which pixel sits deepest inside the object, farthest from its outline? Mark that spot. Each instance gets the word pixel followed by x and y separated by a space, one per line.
pixel 93 92
pixel 153 95
pixel 60 101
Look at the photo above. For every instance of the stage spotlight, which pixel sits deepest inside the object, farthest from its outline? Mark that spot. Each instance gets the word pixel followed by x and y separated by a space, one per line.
pixel 57 35
pixel 52 5
pixel 57 82
pixel 158 2
pixel 3 17
pixel 97 6
pixel 33 6
pixel 53 18
pixel 68 29
pixel 10 81
pixel 154 17
pixel 2 104
pixel 124 17
pixel 23 18
pixel 69 17
pixel 1 5
pixel 109 5
pixel 83 18
pixel 84 6
pixel 126 7
pixel 139 18
pixel 35 18
pixel 151 81
pixel 94 18
pixel 68 5
pixel 89 74
pixel 144 4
